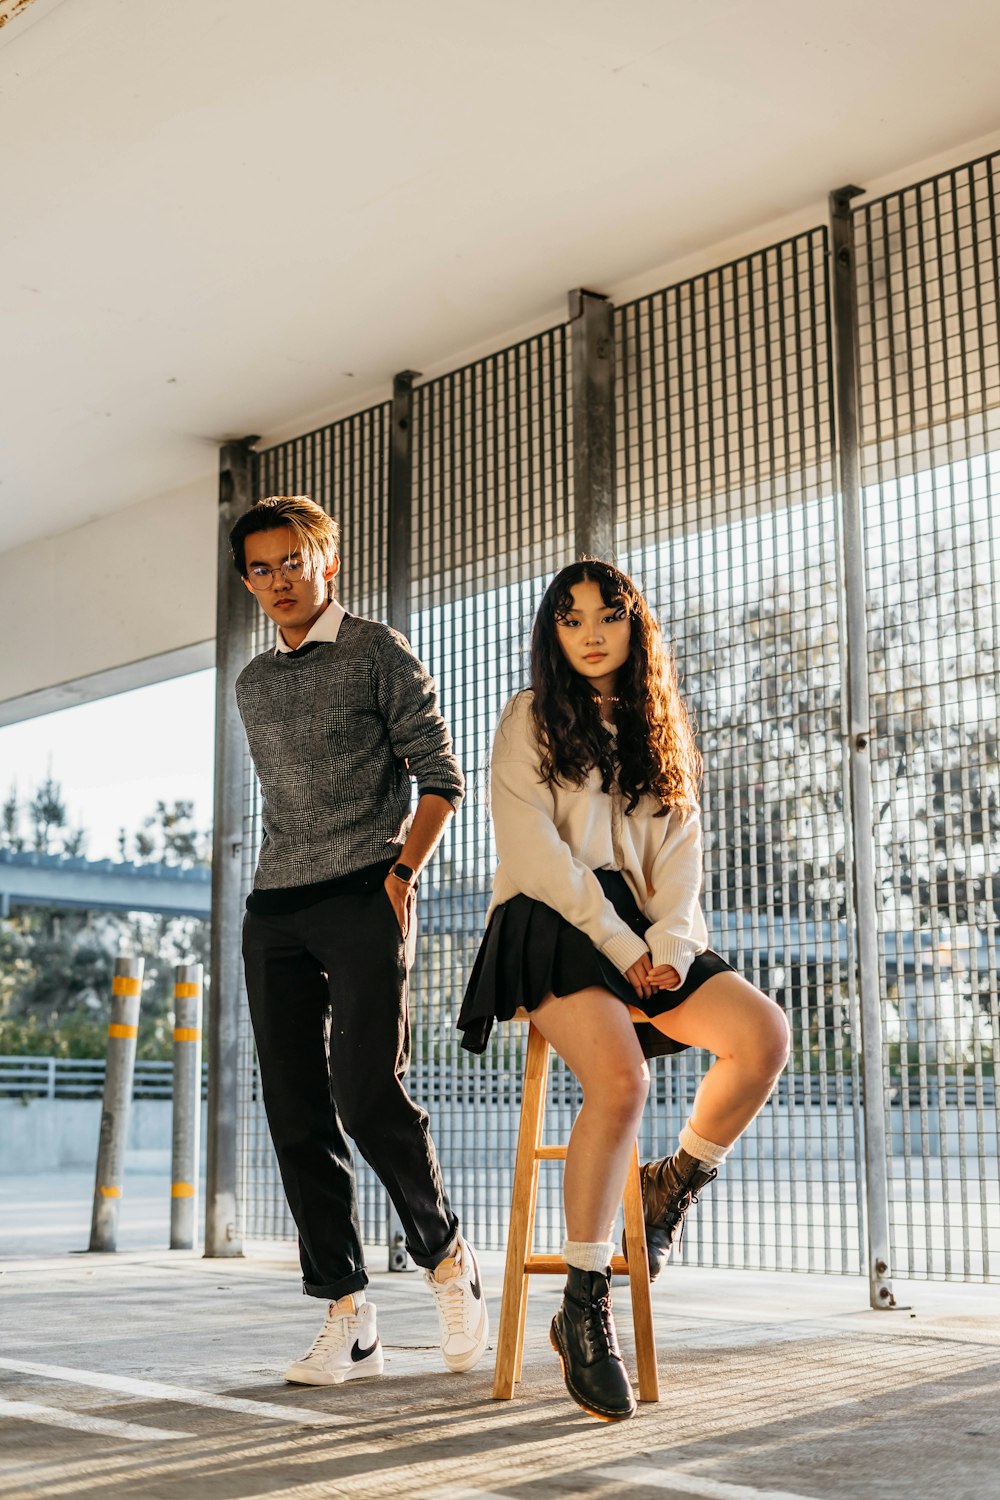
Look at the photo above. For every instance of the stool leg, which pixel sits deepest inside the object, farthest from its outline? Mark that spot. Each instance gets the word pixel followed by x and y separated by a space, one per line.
pixel 526 1281
pixel 513 1308
pixel 638 1275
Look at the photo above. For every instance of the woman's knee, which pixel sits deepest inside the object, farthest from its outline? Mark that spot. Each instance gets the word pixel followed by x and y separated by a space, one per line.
pixel 620 1093
pixel 771 1039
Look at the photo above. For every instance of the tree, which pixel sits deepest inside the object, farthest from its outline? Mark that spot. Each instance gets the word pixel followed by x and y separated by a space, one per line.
pixel 168 836
pixel 10 822
pixel 47 812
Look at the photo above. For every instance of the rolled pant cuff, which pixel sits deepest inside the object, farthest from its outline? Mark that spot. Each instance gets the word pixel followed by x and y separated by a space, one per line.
pixel 427 1261
pixel 334 1290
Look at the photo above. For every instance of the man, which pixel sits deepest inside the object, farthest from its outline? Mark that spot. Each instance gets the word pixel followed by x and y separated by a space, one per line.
pixel 340 715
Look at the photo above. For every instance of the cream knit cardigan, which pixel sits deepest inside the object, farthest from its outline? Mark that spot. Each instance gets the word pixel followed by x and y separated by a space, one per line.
pixel 551 839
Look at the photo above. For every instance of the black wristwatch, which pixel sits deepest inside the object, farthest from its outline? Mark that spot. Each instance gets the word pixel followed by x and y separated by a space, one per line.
pixel 404 873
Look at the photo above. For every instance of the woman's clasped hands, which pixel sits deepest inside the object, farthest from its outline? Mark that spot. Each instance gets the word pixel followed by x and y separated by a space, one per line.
pixel 645 977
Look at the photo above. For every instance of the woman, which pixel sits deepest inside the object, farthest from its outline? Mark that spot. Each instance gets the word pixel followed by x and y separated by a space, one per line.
pixel 596 930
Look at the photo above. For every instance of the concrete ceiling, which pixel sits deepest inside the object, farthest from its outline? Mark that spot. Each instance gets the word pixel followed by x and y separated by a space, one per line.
pixel 220 216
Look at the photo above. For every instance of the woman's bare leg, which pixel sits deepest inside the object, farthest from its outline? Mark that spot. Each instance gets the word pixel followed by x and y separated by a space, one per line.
pixel 748 1033
pixel 593 1034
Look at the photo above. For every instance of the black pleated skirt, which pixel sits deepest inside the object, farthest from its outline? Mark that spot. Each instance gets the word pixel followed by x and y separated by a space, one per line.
pixel 529 952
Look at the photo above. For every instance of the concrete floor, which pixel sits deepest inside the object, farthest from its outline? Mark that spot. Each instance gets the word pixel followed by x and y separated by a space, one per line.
pixel 157 1374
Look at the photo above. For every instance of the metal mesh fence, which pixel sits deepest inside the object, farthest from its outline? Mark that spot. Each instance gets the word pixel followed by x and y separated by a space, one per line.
pixel 491 519
pixel 930 431
pixel 729 518
pixel 344 468
pixel 729 515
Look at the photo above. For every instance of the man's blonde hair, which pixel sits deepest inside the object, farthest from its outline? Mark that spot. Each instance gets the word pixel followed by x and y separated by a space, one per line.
pixel 317 535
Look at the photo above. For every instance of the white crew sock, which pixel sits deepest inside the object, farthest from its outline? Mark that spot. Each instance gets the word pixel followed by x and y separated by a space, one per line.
pixel 588 1255
pixel 707 1152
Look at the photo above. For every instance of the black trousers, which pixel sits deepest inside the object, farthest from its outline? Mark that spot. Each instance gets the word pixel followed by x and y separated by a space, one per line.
pixel 328 999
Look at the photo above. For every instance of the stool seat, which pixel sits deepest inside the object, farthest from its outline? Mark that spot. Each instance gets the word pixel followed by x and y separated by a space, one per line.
pixel 522 1262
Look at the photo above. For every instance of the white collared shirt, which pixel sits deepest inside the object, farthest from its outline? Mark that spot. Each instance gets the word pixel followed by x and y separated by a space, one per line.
pixel 326 628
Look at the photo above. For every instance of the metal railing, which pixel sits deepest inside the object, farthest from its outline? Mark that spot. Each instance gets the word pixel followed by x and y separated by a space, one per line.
pixel 81 1078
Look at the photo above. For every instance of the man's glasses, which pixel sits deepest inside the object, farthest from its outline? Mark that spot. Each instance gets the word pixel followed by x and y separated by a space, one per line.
pixel 261 577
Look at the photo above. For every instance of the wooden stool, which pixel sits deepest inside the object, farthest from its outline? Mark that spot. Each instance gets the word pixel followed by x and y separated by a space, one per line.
pixel 521 1263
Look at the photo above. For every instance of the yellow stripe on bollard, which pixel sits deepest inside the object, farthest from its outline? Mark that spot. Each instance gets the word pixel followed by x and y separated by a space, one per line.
pixel 111 1192
pixel 118 1029
pixel 123 984
pixel 187 1033
pixel 185 991
pixel 182 1190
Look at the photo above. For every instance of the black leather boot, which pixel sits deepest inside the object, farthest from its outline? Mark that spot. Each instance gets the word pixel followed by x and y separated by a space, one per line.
pixel 669 1187
pixel 584 1337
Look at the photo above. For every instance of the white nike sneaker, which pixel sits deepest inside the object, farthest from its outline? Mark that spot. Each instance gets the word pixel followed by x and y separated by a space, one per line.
pixel 347 1348
pixel 461 1309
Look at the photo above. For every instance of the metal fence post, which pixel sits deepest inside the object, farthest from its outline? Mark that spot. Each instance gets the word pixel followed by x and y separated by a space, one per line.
pixel 399 566
pixel 185 1156
pixel 401 500
pixel 232 635
pixel 593 353
pixel 859 736
pixel 126 989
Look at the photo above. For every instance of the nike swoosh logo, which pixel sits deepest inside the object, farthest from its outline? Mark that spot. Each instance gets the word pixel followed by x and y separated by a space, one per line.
pixel 477 1290
pixel 358 1354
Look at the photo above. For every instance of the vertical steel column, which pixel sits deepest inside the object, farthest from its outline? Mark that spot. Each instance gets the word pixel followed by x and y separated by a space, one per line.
pixel 400 546
pixel 593 343
pixel 126 989
pixel 185 1157
pixel 859 736
pixel 232 635
pixel 401 500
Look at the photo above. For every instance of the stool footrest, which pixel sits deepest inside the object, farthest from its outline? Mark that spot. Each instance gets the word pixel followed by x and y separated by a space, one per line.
pixel 550 1153
pixel 554 1265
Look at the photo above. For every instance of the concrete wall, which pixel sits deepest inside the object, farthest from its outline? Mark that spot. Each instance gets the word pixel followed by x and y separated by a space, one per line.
pixel 94 611
pixel 44 1135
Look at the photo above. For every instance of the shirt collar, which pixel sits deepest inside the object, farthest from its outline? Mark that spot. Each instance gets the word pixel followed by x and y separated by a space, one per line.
pixel 326 628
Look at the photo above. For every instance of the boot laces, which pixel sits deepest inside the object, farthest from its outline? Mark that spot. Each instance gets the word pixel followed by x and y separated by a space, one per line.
pixel 597 1322
pixel 673 1218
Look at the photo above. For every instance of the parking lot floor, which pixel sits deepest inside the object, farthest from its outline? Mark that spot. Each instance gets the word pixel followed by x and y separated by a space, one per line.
pixel 159 1374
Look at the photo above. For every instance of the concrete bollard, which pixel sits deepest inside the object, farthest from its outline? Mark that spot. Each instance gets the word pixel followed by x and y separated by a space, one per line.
pixel 126 989
pixel 185 1158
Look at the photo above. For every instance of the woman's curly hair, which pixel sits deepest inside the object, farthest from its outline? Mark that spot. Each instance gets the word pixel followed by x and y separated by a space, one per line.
pixel 653 753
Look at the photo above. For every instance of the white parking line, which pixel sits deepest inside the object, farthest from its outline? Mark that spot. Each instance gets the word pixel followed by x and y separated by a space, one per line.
pixel 155 1390
pixel 54 1416
pixel 683 1483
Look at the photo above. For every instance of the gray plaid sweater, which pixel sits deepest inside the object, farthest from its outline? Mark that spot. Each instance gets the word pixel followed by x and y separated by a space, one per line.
pixel 336 731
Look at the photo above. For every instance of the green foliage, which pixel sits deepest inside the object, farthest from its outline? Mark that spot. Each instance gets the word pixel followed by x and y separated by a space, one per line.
pixel 75 1035
pixel 56 967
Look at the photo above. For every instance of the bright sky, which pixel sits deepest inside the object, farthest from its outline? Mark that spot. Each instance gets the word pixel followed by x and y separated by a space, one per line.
pixel 118 757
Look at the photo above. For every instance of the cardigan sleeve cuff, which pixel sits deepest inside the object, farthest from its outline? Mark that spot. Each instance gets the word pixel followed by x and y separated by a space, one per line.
pixel 674 951
pixel 624 949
